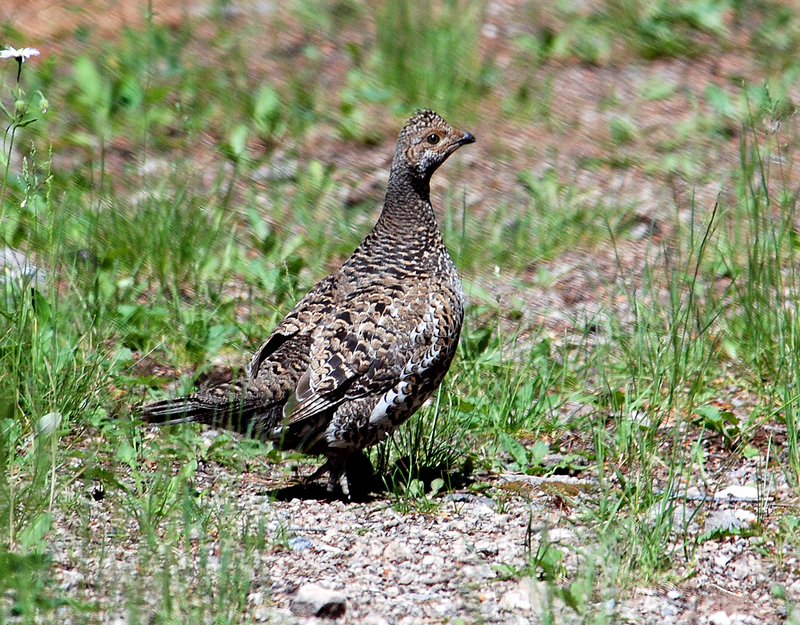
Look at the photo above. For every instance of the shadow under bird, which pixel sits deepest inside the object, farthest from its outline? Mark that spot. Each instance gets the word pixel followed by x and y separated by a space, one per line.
pixel 367 345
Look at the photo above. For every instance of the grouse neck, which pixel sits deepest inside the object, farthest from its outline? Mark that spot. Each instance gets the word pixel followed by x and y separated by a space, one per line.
pixel 407 201
pixel 405 239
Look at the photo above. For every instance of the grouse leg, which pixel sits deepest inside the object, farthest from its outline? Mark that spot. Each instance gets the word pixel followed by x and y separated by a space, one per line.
pixel 335 468
pixel 353 472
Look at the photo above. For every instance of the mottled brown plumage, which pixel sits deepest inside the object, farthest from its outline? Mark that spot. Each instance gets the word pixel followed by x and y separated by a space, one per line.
pixel 366 346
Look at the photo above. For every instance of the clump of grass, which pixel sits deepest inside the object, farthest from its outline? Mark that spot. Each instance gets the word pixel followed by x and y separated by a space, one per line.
pixel 622 129
pixel 758 255
pixel 52 372
pixel 775 37
pixel 716 304
pixel 428 51
pixel 650 29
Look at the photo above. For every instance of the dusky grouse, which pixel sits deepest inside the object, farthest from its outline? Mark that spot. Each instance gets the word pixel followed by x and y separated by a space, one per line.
pixel 366 346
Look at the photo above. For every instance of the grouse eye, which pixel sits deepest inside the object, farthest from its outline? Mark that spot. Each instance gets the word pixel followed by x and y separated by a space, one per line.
pixel 433 139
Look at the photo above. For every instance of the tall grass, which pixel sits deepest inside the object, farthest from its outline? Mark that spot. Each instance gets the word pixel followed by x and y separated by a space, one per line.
pixel 760 255
pixel 715 303
pixel 429 53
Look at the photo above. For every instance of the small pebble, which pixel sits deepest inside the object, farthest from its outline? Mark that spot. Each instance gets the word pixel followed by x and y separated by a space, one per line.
pixel 299 543
pixel 315 600
pixel 719 618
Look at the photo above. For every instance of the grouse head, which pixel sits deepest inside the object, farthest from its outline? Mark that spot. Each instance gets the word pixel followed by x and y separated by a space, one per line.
pixel 425 142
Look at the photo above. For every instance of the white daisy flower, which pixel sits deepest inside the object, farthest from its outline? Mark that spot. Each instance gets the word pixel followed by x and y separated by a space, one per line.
pixel 20 55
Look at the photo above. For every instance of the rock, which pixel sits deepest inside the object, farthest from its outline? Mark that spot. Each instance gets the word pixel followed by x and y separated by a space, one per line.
pixel 299 543
pixel 682 515
pixel 737 493
pixel 470 498
pixel 71 579
pixel 486 546
pixel 446 609
pixel 745 516
pixel 314 600
pixel 266 614
pixel 728 520
pixel 397 551
pixel 48 424
pixel 478 572
pixel 722 560
pixel 719 618
pixel 527 595
pixel 256 597
pixel 745 567
pixel 562 535
pixel 276 171
pixel 694 494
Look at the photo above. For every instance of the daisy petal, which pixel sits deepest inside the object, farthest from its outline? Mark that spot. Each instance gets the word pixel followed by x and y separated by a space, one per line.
pixel 22 53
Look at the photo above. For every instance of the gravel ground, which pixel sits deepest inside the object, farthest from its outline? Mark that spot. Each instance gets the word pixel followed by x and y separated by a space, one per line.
pixel 465 558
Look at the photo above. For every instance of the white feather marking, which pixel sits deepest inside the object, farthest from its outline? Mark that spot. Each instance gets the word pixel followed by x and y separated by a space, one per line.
pixel 431 324
pixel 392 397
pixel 419 330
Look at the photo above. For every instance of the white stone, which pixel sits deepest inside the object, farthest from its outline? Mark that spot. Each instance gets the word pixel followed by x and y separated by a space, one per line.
pixel 263 613
pixel 48 424
pixel 396 551
pixel 478 572
pixel 562 535
pixel 737 493
pixel 693 493
pixel 527 595
pixel 315 600
pixel 728 520
pixel 486 546
pixel 14 265
pixel 745 516
pixel 374 619
pixel 70 579
pixel 719 618
pixel 722 560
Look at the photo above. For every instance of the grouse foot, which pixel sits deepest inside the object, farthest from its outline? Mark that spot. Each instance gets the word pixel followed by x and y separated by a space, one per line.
pixel 353 472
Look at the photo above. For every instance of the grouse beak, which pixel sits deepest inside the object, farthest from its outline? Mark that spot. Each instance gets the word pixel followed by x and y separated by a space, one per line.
pixel 467 138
